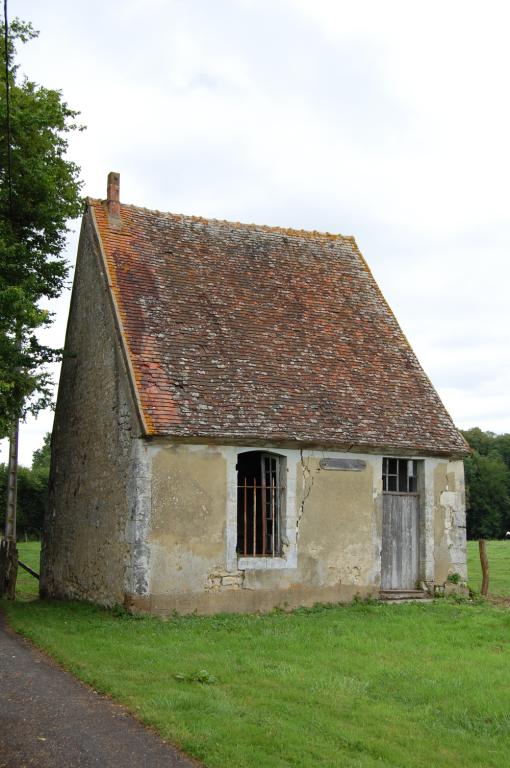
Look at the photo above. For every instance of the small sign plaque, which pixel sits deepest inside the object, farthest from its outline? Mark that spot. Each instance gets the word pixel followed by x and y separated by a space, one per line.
pixel 349 465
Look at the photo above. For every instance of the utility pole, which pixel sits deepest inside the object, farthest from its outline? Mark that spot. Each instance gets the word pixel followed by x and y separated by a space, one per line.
pixel 8 550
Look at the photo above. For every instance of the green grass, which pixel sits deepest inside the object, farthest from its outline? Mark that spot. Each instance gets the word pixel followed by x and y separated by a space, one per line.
pixel 363 685
pixel 360 685
pixel 27 587
pixel 498 553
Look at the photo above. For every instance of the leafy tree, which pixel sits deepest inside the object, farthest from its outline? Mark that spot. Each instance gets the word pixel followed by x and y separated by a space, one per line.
pixel 479 440
pixel 502 447
pixel 37 198
pixel 42 456
pixel 488 498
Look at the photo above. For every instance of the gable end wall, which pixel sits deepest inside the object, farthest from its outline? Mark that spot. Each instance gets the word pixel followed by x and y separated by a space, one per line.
pixel 95 508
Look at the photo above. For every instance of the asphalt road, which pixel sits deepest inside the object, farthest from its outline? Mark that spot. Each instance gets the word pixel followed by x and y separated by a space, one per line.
pixel 50 720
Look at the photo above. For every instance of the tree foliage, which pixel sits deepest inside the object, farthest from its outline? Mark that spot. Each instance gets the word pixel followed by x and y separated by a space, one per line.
pixel 34 210
pixel 41 457
pixel 487 484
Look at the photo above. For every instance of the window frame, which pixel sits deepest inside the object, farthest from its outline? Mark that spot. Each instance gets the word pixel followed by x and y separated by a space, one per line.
pixel 405 473
pixel 260 503
pixel 288 554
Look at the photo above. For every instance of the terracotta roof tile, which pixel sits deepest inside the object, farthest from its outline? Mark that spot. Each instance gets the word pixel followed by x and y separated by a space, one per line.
pixel 245 332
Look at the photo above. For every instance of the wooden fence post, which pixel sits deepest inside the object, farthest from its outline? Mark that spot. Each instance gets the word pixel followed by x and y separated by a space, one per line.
pixel 484 560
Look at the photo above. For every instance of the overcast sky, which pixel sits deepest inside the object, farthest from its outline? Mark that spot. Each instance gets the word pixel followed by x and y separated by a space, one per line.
pixel 386 120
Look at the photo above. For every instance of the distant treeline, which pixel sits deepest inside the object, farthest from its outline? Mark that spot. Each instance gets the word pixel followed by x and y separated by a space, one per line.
pixel 487 484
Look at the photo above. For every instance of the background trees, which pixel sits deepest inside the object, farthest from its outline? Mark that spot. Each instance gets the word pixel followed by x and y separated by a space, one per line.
pixel 487 484
pixel 32 492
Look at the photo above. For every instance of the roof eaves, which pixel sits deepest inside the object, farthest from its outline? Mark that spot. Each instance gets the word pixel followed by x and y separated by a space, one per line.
pixel 282 441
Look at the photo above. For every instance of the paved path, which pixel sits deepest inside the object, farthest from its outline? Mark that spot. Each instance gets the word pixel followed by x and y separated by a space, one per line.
pixel 50 720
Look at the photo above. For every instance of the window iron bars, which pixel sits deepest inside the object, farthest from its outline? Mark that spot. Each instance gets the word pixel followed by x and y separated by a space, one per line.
pixel 261 523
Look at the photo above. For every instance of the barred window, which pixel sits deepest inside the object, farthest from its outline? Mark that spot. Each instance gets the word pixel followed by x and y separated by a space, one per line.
pixel 259 504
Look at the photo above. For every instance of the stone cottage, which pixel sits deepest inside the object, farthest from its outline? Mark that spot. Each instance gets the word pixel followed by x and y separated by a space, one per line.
pixel 241 424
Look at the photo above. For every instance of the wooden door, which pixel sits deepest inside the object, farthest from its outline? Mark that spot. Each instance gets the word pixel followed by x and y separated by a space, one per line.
pixel 400 557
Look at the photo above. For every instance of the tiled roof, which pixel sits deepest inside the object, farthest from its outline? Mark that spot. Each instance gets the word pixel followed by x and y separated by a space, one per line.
pixel 247 333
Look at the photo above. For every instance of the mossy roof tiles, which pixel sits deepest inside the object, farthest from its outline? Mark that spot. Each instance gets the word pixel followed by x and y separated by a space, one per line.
pixel 247 333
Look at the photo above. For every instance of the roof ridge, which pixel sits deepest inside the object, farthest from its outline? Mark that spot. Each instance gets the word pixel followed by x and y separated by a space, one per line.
pixel 289 231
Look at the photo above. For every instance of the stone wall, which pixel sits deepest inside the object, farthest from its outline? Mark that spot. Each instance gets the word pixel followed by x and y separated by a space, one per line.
pixel 91 523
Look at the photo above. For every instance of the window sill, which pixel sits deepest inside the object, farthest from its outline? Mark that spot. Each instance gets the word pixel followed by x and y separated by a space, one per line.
pixel 262 563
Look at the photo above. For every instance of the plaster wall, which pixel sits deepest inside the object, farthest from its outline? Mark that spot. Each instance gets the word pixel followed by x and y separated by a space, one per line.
pixel 449 520
pixel 188 524
pixel 332 534
pixel 332 531
pixel 91 523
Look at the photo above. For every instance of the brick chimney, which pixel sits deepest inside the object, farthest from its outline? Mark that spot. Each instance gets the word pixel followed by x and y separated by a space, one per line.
pixel 113 197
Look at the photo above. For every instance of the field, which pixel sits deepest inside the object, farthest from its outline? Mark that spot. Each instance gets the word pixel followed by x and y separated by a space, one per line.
pixel 27 587
pixel 416 685
pixel 499 567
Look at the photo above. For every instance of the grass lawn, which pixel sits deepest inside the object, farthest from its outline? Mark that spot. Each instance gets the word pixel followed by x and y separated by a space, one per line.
pixel 415 685
pixel 498 553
